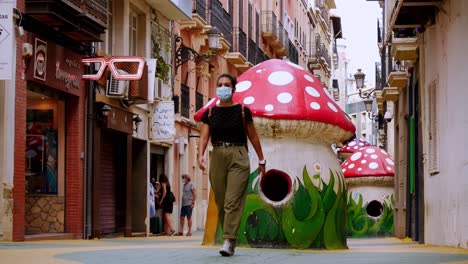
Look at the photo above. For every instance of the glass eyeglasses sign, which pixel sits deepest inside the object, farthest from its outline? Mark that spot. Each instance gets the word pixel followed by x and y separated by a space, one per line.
pixel 122 67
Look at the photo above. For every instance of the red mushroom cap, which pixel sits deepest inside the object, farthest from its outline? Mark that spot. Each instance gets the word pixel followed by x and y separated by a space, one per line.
pixel 277 89
pixel 369 162
pixel 354 145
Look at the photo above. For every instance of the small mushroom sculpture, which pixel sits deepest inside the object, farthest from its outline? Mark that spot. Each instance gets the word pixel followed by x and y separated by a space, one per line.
pixel 369 174
pixel 348 149
pixel 300 202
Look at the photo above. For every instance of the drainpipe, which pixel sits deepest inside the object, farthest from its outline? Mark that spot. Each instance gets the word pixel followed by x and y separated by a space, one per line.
pixel 88 180
pixel 346 88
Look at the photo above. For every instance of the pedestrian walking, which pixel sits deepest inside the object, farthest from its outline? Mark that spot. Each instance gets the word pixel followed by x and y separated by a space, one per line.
pixel 229 124
pixel 189 197
pixel 166 202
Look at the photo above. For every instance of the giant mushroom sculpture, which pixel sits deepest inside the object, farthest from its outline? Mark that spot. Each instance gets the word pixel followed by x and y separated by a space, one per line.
pixel 369 174
pixel 301 201
pixel 350 147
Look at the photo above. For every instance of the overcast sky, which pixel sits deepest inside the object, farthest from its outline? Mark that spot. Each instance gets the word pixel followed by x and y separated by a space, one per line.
pixel 359 25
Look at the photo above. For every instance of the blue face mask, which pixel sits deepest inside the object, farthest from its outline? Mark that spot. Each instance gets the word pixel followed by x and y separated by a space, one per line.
pixel 224 93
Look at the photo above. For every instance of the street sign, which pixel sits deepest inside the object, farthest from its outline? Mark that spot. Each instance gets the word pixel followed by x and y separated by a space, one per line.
pixel 6 39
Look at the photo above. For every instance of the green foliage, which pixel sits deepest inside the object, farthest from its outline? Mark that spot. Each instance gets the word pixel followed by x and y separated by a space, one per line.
pixel 163 69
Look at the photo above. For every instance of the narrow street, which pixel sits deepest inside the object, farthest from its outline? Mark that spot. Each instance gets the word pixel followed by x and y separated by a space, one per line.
pixel 189 250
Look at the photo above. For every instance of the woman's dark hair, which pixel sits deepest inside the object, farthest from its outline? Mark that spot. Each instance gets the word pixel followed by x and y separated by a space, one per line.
pixel 230 77
pixel 163 178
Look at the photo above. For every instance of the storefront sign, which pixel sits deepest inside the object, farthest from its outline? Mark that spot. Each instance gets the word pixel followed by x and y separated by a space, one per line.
pixel 7 35
pixel 120 120
pixel 163 121
pixel 54 66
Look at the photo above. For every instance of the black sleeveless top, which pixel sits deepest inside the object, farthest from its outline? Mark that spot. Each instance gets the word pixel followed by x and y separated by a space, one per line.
pixel 226 123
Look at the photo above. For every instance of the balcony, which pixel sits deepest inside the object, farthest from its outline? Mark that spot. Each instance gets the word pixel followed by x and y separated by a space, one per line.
pixel 269 26
pixel 404 16
pixel 172 9
pixel 222 20
pixel 313 62
pixel 238 54
pixel 336 90
pixel 82 21
pixel 398 77
pixel 199 19
pixel 405 49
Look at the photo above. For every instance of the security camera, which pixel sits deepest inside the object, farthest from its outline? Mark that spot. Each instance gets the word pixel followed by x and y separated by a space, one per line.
pixel 388 116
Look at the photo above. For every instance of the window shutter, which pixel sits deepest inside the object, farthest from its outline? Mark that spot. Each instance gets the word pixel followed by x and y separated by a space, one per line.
pixel 433 150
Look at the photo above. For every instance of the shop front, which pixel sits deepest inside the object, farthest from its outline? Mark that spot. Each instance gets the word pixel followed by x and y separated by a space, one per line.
pixel 54 136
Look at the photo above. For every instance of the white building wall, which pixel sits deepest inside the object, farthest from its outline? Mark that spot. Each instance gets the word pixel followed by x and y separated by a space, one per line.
pixel 446 193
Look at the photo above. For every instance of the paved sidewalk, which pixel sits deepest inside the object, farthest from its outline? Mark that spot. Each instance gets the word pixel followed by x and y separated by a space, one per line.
pixel 186 250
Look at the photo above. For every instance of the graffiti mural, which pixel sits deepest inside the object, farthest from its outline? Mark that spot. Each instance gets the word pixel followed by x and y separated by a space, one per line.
pixel 312 217
pixel 363 224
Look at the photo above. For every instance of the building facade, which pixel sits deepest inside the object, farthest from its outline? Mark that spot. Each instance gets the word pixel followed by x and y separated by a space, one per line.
pixel 423 97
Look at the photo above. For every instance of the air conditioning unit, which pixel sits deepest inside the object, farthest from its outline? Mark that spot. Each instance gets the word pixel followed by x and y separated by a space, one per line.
pixel 117 88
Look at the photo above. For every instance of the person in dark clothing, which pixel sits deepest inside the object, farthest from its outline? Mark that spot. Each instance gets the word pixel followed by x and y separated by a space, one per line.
pixel 229 124
pixel 166 203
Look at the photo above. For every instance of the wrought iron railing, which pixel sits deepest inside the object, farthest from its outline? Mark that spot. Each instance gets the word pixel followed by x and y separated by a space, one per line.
pixel 240 41
pixel 226 26
pixel 221 19
pixel 200 8
pixel 185 101
pixel 260 56
pixel 252 51
pixel 378 76
pixel 269 21
pixel 292 53
pixel 198 101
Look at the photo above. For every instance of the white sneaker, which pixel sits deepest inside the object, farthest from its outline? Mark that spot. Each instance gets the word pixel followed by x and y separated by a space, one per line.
pixel 227 249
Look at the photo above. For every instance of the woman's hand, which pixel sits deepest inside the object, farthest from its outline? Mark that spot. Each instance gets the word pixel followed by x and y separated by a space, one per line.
pixel 261 169
pixel 201 163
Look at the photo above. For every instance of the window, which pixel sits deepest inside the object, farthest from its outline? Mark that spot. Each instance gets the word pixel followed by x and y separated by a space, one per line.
pixel 433 150
pixel 198 101
pixel 241 13
pixel 132 35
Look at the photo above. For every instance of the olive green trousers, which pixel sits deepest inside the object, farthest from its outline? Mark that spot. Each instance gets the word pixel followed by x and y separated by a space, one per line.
pixel 229 176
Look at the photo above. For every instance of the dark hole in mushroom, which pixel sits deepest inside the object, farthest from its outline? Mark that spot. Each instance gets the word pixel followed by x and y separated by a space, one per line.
pixel 275 185
pixel 374 208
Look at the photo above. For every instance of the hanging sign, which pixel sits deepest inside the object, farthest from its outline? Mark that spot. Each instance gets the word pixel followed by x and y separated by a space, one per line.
pixel 163 121
pixel 7 35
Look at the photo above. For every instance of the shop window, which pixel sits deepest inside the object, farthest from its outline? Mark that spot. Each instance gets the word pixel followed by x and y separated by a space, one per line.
pixel 44 145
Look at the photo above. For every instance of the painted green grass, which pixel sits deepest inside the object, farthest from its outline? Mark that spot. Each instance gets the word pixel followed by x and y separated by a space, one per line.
pixel 362 225
pixel 315 217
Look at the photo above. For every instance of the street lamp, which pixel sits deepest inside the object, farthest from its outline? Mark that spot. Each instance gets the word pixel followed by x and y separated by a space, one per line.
pixel 183 53
pixel 359 76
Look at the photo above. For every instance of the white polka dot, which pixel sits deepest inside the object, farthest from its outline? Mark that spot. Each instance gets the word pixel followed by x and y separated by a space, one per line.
pixel 295 65
pixel 209 103
pixel 359 169
pixel 332 107
pixel 284 98
pixel 356 156
pixel 312 91
pixel 352 143
pixel 389 161
pixel 389 168
pixel 370 150
pixel 361 144
pixel 344 170
pixel 309 78
pixel 351 166
pixel 280 78
pixel 363 161
pixel 365 155
pixel 249 100
pixel 269 107
pixel 373 165
pixel 315 106
pixel 259 71
pixel 243 86
pixel 374 156
pixel 356 147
